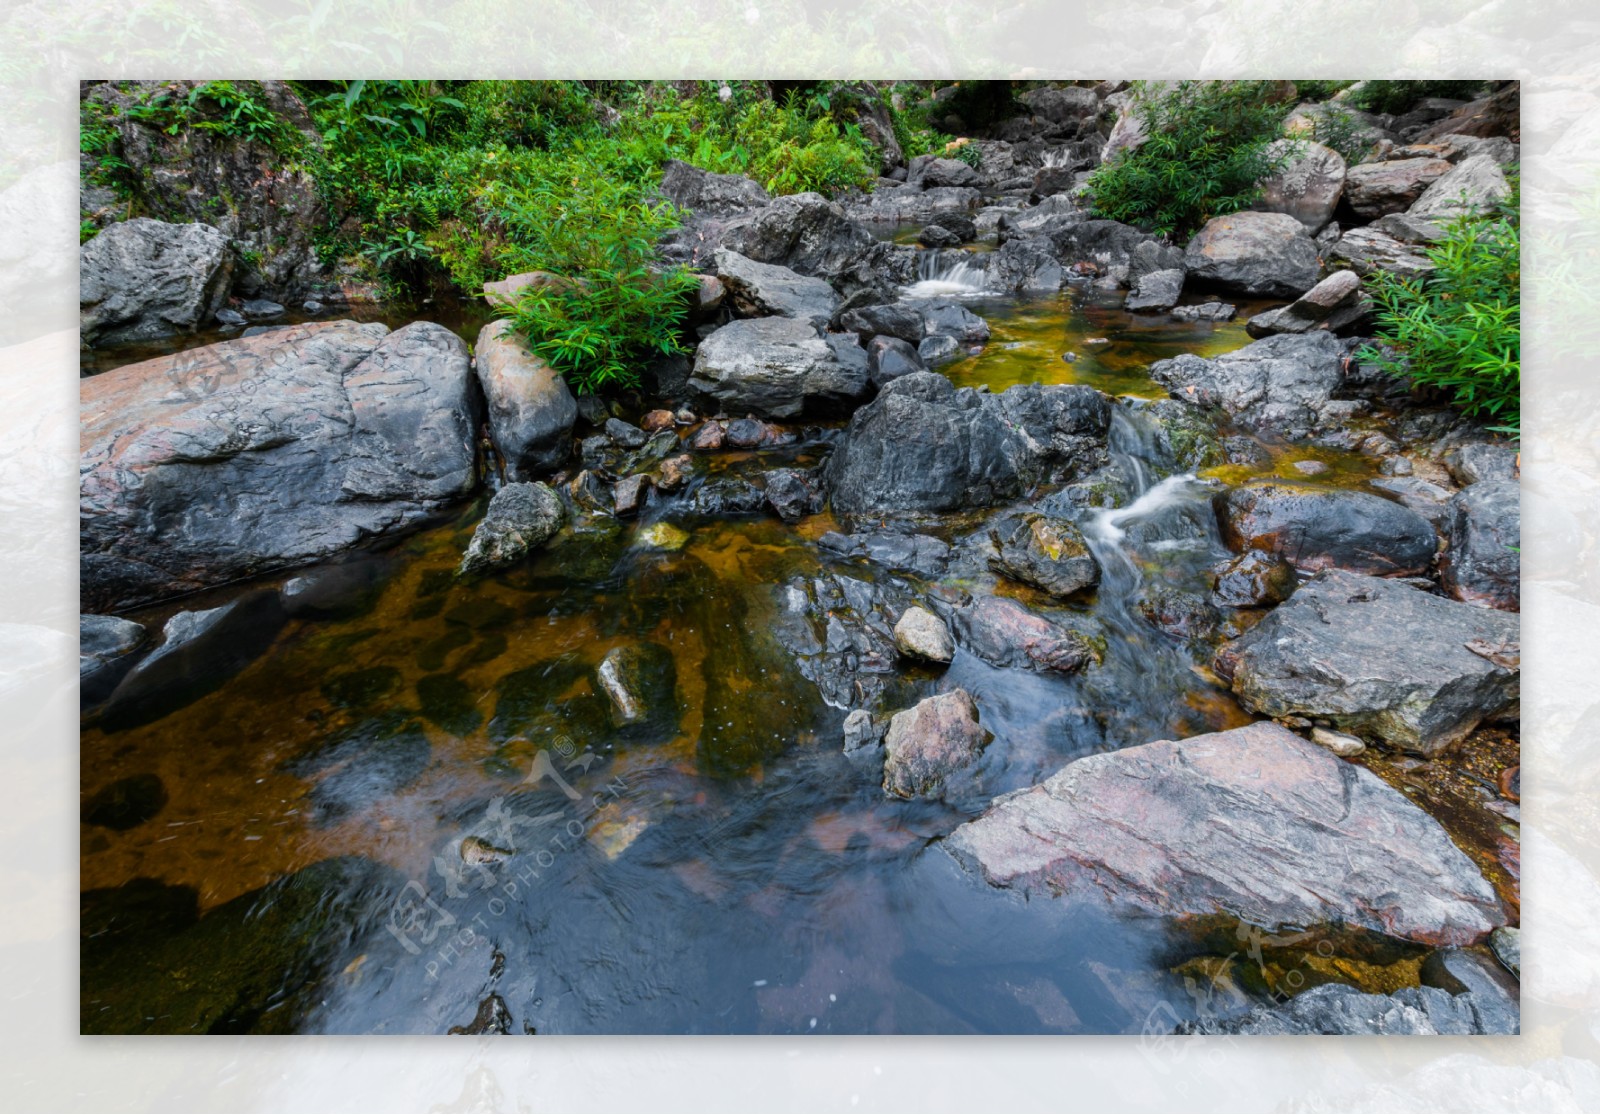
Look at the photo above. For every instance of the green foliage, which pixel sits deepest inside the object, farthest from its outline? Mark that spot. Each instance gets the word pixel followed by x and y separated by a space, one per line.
pixel 1401 96
pixel 220 107
pixel 1318 90
pixel 1458 328
pixel 87 230
pixel 912 129
pixel 1205 151
pixel 1340 129
pixel 968 153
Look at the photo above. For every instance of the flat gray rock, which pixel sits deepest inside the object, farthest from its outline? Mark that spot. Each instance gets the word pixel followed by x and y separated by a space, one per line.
pixel 778 367
pixel 767 289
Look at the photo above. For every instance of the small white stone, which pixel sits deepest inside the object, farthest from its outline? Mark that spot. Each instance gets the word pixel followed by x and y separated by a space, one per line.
pixel 1344 746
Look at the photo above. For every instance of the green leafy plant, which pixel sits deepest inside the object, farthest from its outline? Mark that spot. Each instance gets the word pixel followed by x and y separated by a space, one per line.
pixel 1341 130
pixel 1317 90
pixel 1206 150
pixel 1457 329
pixel 219 107
pixel 1401 96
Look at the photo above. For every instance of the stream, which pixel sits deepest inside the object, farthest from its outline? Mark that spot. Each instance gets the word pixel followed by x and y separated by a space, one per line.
pixel 724 868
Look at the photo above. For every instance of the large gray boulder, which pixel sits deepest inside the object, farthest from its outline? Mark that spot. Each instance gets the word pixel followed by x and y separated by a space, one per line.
pixel 1473 185
pixel 531 408
pixel 1379 659
pixel 1284 384
pixel 141 280
pixel 1255 823
pixel 1064 104
pixel 1367 250
pixel 1255 253
pixel 520 519
pixel 1023 265
pixel 779 367
pixel 929 171
pixel 1157 290
pixel 922 445
pixel 1482 561
pixel 708 194
pixel 1327 528
pixel 1376 189
pixel 267 452
pixel 767 289
pixel 1309 185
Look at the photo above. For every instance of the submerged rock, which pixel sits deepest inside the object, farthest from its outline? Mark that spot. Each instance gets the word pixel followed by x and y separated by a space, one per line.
pixel 778 367
pixel 125 803
pixel 1327 528
pixel 640 680
pixel 1378 659
pixel 922 445
pixel 265 453
pixel 140 280
pixel 1254 822
pixel 105 648
pixel 1047 553
pixel 1336 1009
pixel 1004 633
pixel 531 409
pixel 921 634
pixel 1482 560
pixel 1254 579
pixel 520 519
pixel 929 749
pixel 1254 253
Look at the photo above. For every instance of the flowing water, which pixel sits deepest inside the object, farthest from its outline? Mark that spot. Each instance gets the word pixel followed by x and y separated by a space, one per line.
pixel 719 867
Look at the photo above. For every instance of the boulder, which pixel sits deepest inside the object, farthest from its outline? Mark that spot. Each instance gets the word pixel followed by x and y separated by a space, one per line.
pixel 1474 185
pixel 531 409
pixel 1284 383
pixel 1120 253
pixel 1335 304
pixel 929 749
pixel 912 204
pixel 1379 659
pixel 1255 253
pixel 141 280
pixel 1308 186
pixel 930 171
pixel 763 289
pixel 521 518
pixel 959 225
pixel 1408 229
pixel 1023 265
pixel 891 319
pixel 507 292
pixel 890 358
pixel 793 493
pixel 1327 528
pixel 1157 290
pixel 1482 560
pixel 1481 460
pixel 1004 633
pixel 1374 189
pixel 1366 250
pixel 1049 554
pixel 804 232
pixel 1499 114
pixel 945 317
pixel 779 367
pixel 1206 311
pixel 922 445
pixel 1338 1009
pixel 706 194
pixel 267 452
pixel 920 634
pixel 1062 104
pixel 1255 823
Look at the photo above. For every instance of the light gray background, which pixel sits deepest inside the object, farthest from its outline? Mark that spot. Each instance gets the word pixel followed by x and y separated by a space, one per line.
pixel 48 45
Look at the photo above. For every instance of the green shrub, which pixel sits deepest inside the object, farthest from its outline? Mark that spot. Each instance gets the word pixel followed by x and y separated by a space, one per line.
pixel 1318 90
pixel 1458 328
pixel 1340 129
pixel 1205 151
pixel 912 129
pixel 1396 97
pixel 220 107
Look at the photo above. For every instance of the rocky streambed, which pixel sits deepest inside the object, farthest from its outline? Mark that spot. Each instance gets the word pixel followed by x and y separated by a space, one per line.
pixel 955 641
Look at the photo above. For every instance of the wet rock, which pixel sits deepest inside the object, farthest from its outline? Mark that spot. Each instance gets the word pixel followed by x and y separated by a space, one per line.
pixel 1047 553
pixel 125 803
pixel 531 409
pixel 1334 652
pixel 863 732
pixel 229 318
pixel 934 351
pixel 260 309
pixel 1337 1009
pixel 493 1017
pixel 729 498
pixel 1284 384
pixel 333 591
pixel 362 688
pixel 449 703
pixel 1482 559
pixel 657 420
pixel 198 652
pixel 1481 460
pixel 921 554
pixel 793 493
pixel 890 358
pixel 945 317
pixel 675 472
pixel 1327 528
pixel 625 434
pixel 1409 229
pixel 1340 743
pixel 664 537
pixel 1254 253
pixel 1335 304
pixel 1006 634
pixel 1178 613
pixel 520 519
pixel 1428 500
pixel 1474 185
pixel 929 749
pixel 1309 186
pixel 1158 290
pixel 1254 822
pixel 1506 943
pixel 752 433
pixel 777 367
pixel 765 289
pixel 813 236
pixel 629 495
pixel 297 445
pixel 894 319
pixel 709 437
pixel 958 225
pixel 1457 971
pixel 105 646
pixel 1023 265
pixel 140 280
pixel 922 445
pixel 933 236
pixel 1120 254
pixel 1375 189
pixel 1366 250
pixel 640 680
pixel 1206 311
pixel 1186 434
pixel 921 634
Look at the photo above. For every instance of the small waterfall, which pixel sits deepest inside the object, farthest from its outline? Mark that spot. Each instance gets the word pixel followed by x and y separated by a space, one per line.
pixel 940 276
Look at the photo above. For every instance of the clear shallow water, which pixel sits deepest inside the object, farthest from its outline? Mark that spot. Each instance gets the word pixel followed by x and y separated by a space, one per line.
pixel 724 868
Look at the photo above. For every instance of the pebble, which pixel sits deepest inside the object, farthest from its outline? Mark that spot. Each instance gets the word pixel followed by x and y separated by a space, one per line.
pixel 1340 744
pixel 476 850
pixel 1310 468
